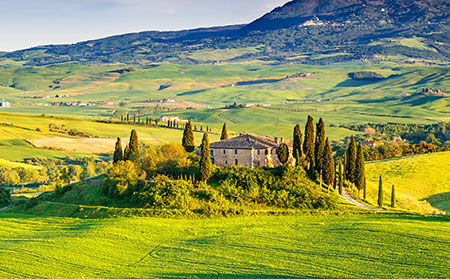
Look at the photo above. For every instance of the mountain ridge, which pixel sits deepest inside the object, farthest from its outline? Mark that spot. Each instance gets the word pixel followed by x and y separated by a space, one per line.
pixel 354 29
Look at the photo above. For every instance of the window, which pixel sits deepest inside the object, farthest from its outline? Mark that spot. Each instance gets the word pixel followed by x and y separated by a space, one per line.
pixel 226 162
pixel 235 151
pixel 212 152
pixel 212 161
pixel 267 151
pixel 236 162
pixel 224 151
pixel 259 152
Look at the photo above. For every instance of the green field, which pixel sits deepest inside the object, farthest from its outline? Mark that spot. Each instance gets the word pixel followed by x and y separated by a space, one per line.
pixel 423 177
pixel 361 246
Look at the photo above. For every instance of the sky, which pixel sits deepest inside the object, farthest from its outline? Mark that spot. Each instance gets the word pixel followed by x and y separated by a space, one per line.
pixel 28 23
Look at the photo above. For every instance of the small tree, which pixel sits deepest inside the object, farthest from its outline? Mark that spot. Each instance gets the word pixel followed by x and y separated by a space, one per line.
pixel 341 178
pixel 283 153
pixel 351 160
pixel 308 144
pixel 224 135
pixel 360 175
pixel 118 152
pixel 380 193
pixel 205 159
pixel 188 138
pixel 134 146
pixel 328 170
pixel 297 145
pixel 393 196
pixel 319 147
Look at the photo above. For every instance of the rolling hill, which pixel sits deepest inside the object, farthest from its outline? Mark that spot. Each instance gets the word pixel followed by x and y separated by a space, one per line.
pixel 321 31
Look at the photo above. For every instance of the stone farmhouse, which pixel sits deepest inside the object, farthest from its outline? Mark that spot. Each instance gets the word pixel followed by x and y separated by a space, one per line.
pixel 247 150
pixel 5 104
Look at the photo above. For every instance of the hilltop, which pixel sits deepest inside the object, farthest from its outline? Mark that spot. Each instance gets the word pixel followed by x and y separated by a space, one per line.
pixel 302 31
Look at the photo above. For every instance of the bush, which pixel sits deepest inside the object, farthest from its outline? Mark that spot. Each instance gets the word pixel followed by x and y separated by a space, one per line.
pixel 5 196
pixel 122 180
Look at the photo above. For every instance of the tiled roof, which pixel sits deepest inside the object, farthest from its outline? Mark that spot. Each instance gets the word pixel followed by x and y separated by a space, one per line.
pixel 246 141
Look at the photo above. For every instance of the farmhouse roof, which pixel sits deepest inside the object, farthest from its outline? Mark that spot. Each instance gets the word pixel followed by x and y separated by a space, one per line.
pixel 247 141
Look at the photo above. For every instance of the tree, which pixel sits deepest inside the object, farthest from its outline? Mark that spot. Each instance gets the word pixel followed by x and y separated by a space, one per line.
pixel 341 178
pixel 297 145
pixel 380 193
pixel 188 138
pixel 393 196
pixel 365 190
pixel 134 146
pixel 67 174
pixel 283 153
pixel 126 153
pixel 308 144
pixel 205 159
pixel 118 152
pixel 351 160
pixel 360 173
pixel 122 180
pixel 327 168
pixel 319 147
pixel 224 135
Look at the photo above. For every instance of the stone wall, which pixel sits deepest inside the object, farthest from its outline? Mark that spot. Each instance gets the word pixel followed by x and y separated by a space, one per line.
pixel 243 157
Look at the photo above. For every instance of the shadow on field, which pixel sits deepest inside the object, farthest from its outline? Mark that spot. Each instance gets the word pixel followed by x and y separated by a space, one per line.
pixel 232 276
pixel 413 217
pixel 440 201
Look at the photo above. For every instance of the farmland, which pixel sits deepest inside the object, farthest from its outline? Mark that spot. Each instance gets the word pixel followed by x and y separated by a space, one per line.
pixel 360 246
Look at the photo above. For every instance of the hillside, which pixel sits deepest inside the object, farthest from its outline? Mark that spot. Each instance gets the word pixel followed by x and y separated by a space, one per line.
pixel 300 31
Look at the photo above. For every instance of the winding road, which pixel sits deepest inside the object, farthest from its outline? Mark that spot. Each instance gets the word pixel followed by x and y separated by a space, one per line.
pixel 346 196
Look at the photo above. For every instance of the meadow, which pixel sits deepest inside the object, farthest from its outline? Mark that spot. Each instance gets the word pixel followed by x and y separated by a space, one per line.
pixel 358 246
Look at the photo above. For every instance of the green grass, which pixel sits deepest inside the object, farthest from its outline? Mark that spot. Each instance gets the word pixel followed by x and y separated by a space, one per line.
pixel 365 246
pixel 422 177
pixel 9 164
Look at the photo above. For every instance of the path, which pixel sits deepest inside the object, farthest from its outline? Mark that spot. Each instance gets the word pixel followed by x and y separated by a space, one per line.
pixel 225 119
pixel 4 208
pixel 346 196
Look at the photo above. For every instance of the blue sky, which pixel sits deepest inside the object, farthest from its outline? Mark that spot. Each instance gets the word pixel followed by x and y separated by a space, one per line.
pixel 27 23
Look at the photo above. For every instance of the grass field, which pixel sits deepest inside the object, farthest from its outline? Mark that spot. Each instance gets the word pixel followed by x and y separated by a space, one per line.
pixel 360 246
pixel 422 177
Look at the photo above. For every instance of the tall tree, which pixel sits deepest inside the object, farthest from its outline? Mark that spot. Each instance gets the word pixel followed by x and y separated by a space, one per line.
pixel 188 138
pixel 134 146
pixel 380 192
pixel 118 152
pixel 126 153
pixel 393 196
pixel 351 160
pixel 308 144
pixel 283 153
pixel 341 178
pixel 365 190
pixel 328 169
pixel 319 148
pixel 205 159
pixel 224 135
pixel 297 145
pixel 360 173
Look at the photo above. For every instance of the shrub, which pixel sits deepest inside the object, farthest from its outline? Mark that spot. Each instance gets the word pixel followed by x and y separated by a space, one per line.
pixel 5 196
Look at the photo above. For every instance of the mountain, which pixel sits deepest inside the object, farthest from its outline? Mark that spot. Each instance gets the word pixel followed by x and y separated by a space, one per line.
pixel 301 31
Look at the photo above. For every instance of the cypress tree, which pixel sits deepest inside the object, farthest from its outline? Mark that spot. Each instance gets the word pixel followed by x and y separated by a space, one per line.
pixel 205 159
pixel 360 173
pixel 341 178
pixel 283 153
pixel 380 193
pixel 128 117
pixel 134 146
pixel 308 144
pixel 297 144
pixel 319 148
pixel 188 138
pixel 224 135
pixel 351 160
pixel 139 119
pixel 134 118
pixel 118 152
pixel 328 170
pixel 365 190
pixel 393 196
pixel 126 153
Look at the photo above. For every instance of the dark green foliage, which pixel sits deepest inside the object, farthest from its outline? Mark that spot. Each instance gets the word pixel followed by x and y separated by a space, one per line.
pixel 205 159
pixel 360 173
pixel 118 152
pixel 134 146
pixel 393 196
pixel 367 76
pixel 328 167
pixel 319 147
pixel 380 192
pixel 188 138
pixel 5 196
pixel 297 145
pixel 351 160
pixel 341 178
pixel 308 144
pixel 283 153
pixel 365 190
pixel 224 134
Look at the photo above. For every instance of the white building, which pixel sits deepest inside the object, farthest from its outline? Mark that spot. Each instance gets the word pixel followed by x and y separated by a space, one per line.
pixel 5 104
